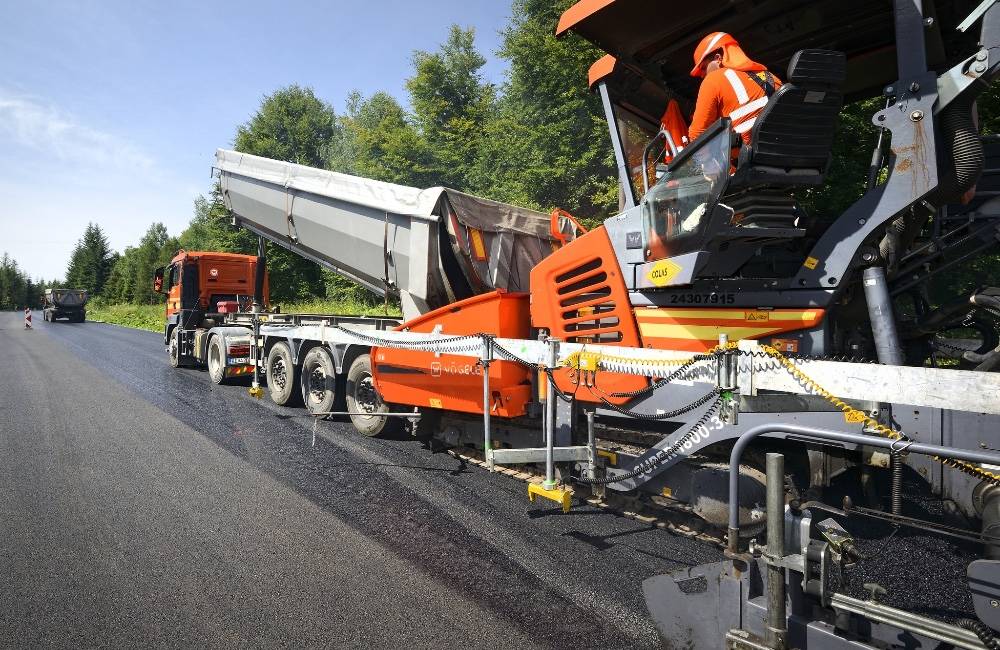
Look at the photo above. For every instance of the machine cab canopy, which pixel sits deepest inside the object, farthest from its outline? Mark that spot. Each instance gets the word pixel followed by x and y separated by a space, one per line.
pixel 655 40
pixel 650 44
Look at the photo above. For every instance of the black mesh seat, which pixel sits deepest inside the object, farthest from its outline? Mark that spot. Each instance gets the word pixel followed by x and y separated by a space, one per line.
pixel 792 137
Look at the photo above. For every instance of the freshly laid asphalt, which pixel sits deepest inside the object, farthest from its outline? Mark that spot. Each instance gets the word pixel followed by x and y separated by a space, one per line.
pixel 143 505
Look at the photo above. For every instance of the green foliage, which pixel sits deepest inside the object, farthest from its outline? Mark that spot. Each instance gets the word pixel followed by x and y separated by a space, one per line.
pixel 131 278
pixel 451 105
pixel 291 125
pixel 343 307
pixel 16 288
pixel 852 150
pixel 91 261
pixel 145 317
pixel 547 144
pixel 294 126
pixel 383 144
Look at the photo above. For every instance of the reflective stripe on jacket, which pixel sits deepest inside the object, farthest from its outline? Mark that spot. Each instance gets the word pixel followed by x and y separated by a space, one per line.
pixel 732 94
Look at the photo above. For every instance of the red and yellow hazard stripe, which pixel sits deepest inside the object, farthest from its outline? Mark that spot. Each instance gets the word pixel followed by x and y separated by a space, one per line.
pixel 698 329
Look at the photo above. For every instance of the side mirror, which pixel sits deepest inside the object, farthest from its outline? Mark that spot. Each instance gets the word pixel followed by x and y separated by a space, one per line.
pixel 158 280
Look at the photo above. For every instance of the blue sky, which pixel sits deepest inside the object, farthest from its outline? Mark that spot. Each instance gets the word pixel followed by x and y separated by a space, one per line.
pixel 111 111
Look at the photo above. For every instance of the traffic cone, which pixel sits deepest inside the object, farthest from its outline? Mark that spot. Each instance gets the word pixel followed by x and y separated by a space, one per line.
pixel 27 318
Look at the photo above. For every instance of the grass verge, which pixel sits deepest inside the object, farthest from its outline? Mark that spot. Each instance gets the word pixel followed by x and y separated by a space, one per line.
pixel 346 307
pixel 150 317
pixel 144 317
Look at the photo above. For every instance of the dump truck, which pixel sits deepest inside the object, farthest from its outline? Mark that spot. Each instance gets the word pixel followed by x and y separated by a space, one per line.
pixel 70 304
pixel 712 351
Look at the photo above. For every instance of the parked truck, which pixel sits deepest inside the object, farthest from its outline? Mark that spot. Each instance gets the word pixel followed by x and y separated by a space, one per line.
pixel 709 317
pixel 70 304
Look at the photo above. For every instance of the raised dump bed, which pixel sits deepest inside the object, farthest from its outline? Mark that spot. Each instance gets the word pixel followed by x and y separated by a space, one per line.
pixel 430 247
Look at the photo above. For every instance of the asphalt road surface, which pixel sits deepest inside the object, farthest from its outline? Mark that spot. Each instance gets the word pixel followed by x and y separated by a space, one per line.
pixel 142 505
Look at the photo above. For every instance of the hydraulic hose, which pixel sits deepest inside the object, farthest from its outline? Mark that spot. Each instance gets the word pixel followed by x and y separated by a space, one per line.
pixel 980 629
pixel 966 152
pixel 966 159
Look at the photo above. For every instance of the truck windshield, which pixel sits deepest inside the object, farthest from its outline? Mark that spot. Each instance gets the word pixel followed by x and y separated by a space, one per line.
pixel 676 210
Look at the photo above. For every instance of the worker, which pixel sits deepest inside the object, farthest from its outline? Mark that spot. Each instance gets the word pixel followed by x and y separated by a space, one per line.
pixel 734 86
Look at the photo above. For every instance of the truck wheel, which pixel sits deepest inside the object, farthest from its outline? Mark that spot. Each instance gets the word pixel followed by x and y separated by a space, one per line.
pixel 217 360
pixel 362 397
pixel 174 350
pixel 319 380
pixel 282 380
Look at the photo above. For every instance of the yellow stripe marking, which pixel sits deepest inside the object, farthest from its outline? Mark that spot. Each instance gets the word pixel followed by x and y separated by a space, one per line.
pixel 727 314
pixel 701 332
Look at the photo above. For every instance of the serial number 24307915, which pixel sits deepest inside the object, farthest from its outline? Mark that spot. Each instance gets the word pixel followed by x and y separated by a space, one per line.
pixel 702 298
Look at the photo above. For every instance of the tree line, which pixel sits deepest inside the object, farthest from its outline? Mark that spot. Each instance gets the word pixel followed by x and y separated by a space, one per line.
pixel 537 140
pixel 17 289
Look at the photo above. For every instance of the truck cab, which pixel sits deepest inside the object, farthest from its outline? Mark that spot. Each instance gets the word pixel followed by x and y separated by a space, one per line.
pixel 200 281
pixel 201 288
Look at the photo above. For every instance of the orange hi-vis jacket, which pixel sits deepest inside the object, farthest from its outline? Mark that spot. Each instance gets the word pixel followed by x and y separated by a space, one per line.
pixel 733 94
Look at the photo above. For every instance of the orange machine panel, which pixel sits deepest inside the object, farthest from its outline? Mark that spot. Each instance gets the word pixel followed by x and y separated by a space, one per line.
pixel 578 295
pixel 698 329
pixel 452 382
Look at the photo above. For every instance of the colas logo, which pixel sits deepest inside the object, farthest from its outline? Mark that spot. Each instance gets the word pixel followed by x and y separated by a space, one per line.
pixel 663 272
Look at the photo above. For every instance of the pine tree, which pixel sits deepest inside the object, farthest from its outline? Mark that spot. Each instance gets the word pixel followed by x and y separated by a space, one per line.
pixel 91 261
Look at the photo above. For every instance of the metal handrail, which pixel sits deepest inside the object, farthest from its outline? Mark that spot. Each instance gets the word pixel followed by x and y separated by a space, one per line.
pixel 749 435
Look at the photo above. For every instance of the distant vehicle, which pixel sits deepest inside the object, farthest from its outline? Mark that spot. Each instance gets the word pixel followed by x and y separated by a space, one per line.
pixel 66 303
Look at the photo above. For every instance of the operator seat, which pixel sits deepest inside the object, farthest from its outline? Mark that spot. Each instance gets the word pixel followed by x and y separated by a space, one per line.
pixel 791 140
pixel 790 144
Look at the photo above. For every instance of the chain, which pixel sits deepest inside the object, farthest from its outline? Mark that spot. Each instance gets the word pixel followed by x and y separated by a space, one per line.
pixel 854 415
pixel 578 359
pixel 766 351
pixel 381 342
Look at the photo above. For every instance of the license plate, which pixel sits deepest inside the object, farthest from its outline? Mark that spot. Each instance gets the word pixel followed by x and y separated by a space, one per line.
pixel 239 361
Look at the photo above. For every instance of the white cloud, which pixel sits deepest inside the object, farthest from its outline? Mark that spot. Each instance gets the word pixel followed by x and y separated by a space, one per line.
pixel 33 123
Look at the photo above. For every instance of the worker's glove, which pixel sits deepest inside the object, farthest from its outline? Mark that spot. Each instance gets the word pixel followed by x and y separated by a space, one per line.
pixel 693 220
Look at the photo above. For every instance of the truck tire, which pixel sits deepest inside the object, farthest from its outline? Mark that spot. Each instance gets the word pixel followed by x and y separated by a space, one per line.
pixel 282 378
pixel 319 380
pixel 363 397
pixel 217 360
pixel 174 349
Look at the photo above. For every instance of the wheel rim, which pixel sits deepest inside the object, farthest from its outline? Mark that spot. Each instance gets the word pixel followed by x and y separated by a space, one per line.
pixel 316 384
pixel 365 396
pixel 278 375
pixel 214 362
pixel 173 348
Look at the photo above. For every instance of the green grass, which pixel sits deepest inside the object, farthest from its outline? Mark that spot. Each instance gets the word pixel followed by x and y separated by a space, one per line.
pixel 345 307
pixel 144 317
pixel 151 317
